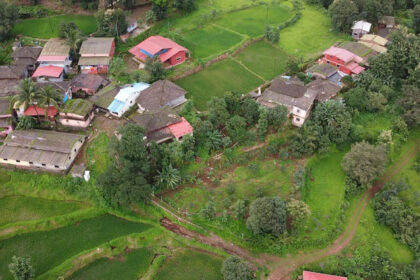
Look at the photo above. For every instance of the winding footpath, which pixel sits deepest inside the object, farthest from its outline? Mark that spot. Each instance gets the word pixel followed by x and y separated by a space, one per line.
pixel 282 267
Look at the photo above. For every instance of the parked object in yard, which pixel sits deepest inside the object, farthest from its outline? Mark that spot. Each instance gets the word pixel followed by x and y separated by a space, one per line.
pixel 360 28
pixel 162 93
pixel 41 150
pixel 126 98
pixel 96 54
pixel 168 52
pixel 76 113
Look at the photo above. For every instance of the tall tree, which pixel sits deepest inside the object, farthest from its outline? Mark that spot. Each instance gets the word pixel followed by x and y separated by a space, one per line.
pixel 73 37
pixel 8 17
pixel 49 96
pixel 416 19
pixel 365 162
pixel 27 95
pixel 125 180
pixel 218 113
pixel 186 5
pixel 267 215
pixel 410 102
pixel 343 13
pixel 160 8
pixel 155 68
pixel 111 22
pixel 21 268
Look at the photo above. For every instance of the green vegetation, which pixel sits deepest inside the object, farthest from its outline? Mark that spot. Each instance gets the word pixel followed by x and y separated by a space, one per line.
pixel 50 248
pixel 47 27
pixel 210 41
pixel 310 35
pixel 189 264
pixel 23 208
pixel 253 21
pixel 216 80
pixel 264 59
pixel 129 266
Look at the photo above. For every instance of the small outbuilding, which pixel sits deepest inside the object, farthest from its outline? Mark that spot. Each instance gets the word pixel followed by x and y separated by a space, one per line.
pixel 360 28
pixel 126 98
pixel 49 73
pixel 76 113
pixel 27 56
pixel 41 112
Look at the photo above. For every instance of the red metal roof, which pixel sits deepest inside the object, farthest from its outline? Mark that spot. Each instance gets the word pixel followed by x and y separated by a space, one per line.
pixel 56 58
pixel 39 111
pixel 355 68
pixel 181 128
pixel 48 71
pixel 343 54
pixel 308 275
pixel 153 45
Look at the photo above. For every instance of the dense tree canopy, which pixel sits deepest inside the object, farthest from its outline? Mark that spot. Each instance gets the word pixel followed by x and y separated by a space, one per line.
pixel 125 180
pixel 410 103
pixel 111 22
pixel 267 215
pixel 21 268
pixel 343 13
pixel 236 269
pixel 155 69
pixel 8 17
pixel 365 162
pixel 186 5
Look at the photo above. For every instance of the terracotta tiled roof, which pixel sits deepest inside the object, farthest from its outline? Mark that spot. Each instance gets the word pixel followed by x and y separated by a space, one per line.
pixel 48 71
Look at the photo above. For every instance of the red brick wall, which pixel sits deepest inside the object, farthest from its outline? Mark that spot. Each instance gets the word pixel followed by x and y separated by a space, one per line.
pixel 178 58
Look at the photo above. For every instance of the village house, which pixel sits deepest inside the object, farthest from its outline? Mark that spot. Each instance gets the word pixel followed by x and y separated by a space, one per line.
pixel 76 113
pixel 126 98
pixel 360 28
pixel 346 61
pixel 88 83
pixel 55 53
pixel 375 42
pixel 10 76
pixel 96 54
pixel 169 52
pixel 162 93
pixel 63 88
pixel 42 113
pixel 5 117
pixel 49 73
pixel 297 97
pixel 308 275
pixel 292 94
pixel 386 25
pixel 43 150
pixel 104 97
pixel 163 126
pixel 27 56
pixel 327 72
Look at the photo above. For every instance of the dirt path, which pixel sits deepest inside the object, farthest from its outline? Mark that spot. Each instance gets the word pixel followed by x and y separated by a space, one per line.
pixel 282 267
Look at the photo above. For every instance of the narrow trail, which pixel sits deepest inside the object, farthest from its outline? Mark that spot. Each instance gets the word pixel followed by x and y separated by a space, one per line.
pixel 282 267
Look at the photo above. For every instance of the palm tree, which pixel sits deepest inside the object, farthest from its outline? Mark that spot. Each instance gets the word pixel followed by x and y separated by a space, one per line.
pixel 73 39
pixel 49 96
pixel 28 94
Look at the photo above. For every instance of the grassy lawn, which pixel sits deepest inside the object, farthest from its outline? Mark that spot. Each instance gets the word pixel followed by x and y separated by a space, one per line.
pixel 273 177
pixel 210 41
pixel 310 35
pixel 48 249
pixel 216 80
pixel 97 154
pixel 264 59
pixel 324 192
pixel 47 27
pixel 253 21
pixel 23 208
pixel 128 266
pixel 191 265
pixel 371 124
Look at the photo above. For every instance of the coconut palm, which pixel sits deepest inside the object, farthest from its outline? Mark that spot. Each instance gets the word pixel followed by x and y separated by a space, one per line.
pixel 73 39
pixel 49 96
pixel 27 96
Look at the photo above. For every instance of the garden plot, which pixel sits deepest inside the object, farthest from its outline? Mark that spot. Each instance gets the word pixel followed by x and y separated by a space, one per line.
pixel 47 27
pixel 48 249
pixel 216 80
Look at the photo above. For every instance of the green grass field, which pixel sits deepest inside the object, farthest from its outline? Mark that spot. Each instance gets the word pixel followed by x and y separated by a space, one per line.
pixel 48 249
pixel 216 80
pixel 324 192
pixel 127 266
pixel 210 41
pixel 310 35
pixel 23 208
pixel 253 21
pixel 47 27
pixel 191 265
pixel 264 59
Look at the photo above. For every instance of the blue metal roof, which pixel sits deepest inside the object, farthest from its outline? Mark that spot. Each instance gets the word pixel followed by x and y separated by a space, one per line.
pixel 116 106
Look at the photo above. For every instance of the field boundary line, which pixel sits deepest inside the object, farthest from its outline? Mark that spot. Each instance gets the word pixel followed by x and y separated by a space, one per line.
pixel 230 30
pixel 249 70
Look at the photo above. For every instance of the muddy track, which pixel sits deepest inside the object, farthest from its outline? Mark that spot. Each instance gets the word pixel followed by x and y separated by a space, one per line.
pixel 283 267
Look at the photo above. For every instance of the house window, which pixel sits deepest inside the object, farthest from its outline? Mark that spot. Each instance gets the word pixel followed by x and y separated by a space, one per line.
pixel 328 62
pixel 43 164
pixel 74 150
pixel 5 159
pixel 178 58
pixel 31 162
pixel 56 166
pixel 17 160
pixel 298 110
pixel 297 119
